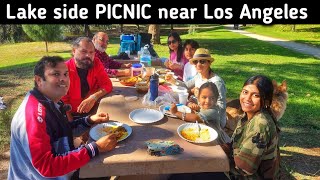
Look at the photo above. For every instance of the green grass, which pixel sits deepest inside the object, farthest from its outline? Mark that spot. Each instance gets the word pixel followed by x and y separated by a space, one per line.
pixel 237 57
pixel 305 33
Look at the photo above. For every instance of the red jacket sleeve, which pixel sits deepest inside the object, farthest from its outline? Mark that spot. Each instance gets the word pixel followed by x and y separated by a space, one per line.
pixel 102 79
pixel 47 163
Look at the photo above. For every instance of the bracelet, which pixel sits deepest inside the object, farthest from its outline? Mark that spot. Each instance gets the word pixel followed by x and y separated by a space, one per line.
pixel 94 97
pixel 183 116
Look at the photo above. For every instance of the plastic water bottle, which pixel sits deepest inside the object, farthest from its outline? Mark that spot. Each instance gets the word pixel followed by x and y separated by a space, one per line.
pixel 154 84
pixel 145 57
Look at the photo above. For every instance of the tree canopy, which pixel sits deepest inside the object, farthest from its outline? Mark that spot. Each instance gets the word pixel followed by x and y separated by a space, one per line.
pixel 43 32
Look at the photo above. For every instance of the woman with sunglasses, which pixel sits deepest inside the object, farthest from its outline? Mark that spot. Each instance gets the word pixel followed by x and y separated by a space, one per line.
pixel 202 61
pixel 176 59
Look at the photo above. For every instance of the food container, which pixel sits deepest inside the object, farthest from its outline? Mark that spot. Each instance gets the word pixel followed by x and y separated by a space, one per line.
pixel 136 69
pixel 142 87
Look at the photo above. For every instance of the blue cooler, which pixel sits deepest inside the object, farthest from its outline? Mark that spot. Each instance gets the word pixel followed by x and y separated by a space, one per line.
pixel 127 42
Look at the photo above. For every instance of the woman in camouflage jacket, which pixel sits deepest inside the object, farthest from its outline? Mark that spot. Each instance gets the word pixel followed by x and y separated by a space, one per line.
pixel 254 150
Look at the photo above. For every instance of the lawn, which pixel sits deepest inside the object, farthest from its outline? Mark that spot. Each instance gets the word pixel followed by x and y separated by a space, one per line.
pixel 237 57
pixel 304 33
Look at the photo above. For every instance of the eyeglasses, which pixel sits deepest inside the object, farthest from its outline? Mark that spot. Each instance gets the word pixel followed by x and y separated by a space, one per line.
pixel 103 40
pixel 202 61
pixel 173 41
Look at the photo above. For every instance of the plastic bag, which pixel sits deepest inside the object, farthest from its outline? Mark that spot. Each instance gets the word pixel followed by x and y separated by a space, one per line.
pixel 164 99
pixel 146 100
pixel 2 104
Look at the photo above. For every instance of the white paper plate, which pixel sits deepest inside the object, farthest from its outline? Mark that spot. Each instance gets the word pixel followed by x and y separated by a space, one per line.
pixel 145 116
pixel 182 108
pixel 97 131
pixel 212 133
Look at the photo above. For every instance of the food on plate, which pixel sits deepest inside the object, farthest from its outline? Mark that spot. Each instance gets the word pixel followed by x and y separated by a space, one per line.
pixel 192 134
pixel 163 71
pixel 161 81
pixel 129 81
pixel 120 131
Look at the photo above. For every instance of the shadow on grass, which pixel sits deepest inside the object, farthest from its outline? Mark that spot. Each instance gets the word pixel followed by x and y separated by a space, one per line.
pixel 308 165
pixel 19 71
pixel 64 51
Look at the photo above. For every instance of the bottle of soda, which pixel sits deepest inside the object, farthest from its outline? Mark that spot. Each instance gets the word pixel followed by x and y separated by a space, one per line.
pixel 154 84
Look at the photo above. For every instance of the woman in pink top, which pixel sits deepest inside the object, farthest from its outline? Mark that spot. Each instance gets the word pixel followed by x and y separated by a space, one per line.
pixel 176 59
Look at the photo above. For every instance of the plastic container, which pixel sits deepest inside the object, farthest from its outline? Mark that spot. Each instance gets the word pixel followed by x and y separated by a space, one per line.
pixel 136 69
pixel 145 57
pixel 154 85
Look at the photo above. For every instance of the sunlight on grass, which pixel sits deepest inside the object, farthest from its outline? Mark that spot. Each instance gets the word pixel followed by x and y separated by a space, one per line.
pixel 20 53
pixel 306 33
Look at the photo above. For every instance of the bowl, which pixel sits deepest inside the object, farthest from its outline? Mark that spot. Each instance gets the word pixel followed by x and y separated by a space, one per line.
pixel 142 87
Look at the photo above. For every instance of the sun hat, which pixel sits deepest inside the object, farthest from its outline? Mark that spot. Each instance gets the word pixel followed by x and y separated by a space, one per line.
pixel 201 53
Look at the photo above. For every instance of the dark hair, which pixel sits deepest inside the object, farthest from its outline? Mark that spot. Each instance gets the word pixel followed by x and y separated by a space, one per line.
pixel 176 36
pixel 46 61
pixel 76 43
pixel 212 87
pixel 194 44
pixel 265 87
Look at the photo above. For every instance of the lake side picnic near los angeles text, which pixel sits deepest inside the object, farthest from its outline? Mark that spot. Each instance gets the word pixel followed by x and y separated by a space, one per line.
pixel 266 15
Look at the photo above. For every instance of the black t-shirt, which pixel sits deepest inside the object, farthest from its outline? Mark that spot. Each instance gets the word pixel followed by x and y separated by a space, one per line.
pixel 84 83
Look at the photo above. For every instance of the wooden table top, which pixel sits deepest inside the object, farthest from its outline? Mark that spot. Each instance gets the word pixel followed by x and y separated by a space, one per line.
pixel 130 157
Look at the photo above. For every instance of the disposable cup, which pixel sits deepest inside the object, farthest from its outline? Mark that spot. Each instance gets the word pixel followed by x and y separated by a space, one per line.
pixel 183 97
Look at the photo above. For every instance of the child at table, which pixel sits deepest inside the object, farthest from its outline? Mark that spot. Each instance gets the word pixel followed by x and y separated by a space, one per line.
pixel 205 111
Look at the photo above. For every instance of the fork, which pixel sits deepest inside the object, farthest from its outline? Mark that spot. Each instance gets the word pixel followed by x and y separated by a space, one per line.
pixel 199 128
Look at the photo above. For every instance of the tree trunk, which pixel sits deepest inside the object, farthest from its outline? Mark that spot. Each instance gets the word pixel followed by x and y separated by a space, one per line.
pixel 87 31
pixel 293 28
pixel 46 47
pixel 121 28
pixel 4 33
pixel 171 27
pixel 154 29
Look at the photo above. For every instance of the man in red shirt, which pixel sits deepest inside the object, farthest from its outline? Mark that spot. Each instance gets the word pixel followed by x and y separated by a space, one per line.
pixel 112 67
pixel 88 80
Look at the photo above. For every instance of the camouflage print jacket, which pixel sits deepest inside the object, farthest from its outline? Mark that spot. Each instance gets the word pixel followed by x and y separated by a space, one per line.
pixel 255 147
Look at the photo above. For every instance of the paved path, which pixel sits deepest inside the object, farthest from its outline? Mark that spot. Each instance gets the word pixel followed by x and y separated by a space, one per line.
pixel 302 48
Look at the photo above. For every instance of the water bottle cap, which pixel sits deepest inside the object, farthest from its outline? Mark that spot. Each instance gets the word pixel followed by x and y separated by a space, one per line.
pixel 155 76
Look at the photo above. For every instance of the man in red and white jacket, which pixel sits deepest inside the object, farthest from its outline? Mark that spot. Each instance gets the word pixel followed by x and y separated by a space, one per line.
pixel 41 143
pixel 88 79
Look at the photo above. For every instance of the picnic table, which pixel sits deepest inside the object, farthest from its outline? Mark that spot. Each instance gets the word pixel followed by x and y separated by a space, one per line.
pixel 130 157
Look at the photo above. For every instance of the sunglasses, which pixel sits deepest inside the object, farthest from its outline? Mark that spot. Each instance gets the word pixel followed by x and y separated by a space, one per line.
pixel 173 41
pixel 202 61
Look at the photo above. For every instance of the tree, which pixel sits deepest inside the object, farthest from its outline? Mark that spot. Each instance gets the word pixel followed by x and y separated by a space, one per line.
pixel 11 33
pixel 45 32
pixel 154 29
pixel 87 31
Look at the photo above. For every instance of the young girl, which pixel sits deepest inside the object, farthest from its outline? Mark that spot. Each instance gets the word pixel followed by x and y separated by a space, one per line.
pixel 206 111
pixel 176 59
pixel 189 71
pixel 202 61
